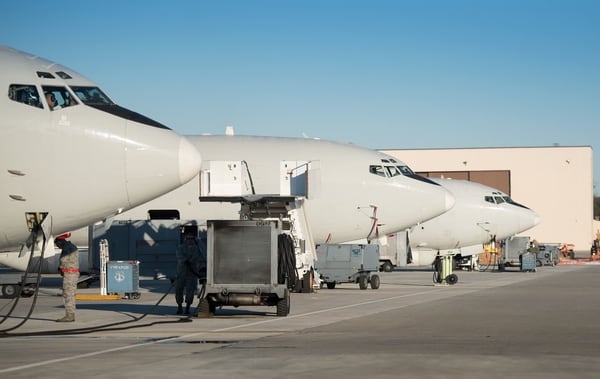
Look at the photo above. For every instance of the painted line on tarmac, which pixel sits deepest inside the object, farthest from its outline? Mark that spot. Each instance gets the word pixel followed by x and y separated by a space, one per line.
pixel 136 345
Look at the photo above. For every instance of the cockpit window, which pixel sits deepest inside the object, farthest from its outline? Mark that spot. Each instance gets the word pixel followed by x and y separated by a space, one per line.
pixel 500 198
pixel 377 170
pixel 397 170
pixel 95 98
pixel 63 75
pixel 58 97
pixel 24 93
pixel 405 170
pixel 495 199
pixel 392 171
pixel 91 95
pixel 45 75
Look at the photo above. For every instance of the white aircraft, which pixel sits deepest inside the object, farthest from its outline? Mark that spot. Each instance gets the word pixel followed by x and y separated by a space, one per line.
pixel 480 215
pixel 358 187
pixel 70 156
pixel 357 192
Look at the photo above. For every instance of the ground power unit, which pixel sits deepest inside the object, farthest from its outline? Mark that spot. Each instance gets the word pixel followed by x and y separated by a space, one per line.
pixel 243 266
pixel 348 263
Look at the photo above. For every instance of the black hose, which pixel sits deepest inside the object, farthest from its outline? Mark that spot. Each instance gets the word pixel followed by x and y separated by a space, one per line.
pixel 104 327
pixel 437 270
pixel 33 236
pixel 286 263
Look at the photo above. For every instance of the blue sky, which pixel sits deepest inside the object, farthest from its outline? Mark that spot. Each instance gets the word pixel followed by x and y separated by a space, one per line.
pixel 381 74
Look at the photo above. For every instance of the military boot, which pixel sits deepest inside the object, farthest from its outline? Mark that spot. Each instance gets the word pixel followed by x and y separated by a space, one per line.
pixel 179 309
pixel 187 309
pixel 69 317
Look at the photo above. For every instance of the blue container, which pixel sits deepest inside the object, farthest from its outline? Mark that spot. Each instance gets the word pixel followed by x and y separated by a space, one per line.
pixel 122 276
pixel 528 262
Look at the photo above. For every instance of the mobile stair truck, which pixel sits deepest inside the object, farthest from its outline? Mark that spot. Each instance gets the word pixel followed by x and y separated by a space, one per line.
pixel 267 253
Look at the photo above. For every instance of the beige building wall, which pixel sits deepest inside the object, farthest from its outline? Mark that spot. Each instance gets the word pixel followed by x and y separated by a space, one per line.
pixel 556 182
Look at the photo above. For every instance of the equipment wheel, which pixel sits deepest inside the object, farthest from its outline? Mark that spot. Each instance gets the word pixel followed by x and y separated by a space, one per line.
pixel 452 279
pixel 538 263
pixel 331 285
pixel 28 290
pixel 363 282
pixel 375 282
pixel 387 267
pixel 283 305
pixel 10 290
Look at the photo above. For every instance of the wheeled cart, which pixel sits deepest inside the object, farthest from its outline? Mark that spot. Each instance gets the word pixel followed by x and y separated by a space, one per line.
pixel 442 270
pixel 348 263
pixel 549 254
pixel 243 266
pixel 11 283
pixel 123 278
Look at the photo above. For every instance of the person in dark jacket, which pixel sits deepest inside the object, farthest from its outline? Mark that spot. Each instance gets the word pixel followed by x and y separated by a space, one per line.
pixel 188 264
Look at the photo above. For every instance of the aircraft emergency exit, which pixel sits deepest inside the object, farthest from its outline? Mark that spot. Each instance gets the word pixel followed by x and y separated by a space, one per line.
pixel 70 156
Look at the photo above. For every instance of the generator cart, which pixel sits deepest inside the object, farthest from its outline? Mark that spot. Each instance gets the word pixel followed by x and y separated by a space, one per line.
pixel 348 263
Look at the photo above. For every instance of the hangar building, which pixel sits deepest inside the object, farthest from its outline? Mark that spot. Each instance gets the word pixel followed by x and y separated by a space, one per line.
pixel 555 181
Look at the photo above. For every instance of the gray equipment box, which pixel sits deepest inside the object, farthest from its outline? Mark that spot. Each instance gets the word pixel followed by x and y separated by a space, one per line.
pixel 549 254
pixel 122 277
pixel 348 263
pixel 528 262
pixel 242 266
pixel 513 248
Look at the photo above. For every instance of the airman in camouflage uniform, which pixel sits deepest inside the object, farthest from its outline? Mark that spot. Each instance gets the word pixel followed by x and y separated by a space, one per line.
pixel 69 269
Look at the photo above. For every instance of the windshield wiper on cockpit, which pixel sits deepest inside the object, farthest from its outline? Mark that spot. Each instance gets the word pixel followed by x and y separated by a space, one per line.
pixel 95 98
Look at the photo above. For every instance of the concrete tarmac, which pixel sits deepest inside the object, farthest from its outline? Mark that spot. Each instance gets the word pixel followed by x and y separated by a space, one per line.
pixel 511 324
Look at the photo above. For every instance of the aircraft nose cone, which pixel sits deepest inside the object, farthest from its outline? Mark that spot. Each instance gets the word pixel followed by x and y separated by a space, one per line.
pixel 189 161
pixel 433 201
pixel 528 220
pixel 157 161
pixel 536 219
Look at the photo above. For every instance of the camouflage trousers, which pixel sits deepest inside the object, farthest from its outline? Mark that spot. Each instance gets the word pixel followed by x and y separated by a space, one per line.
pixel 69 289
